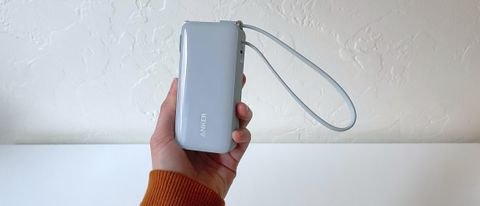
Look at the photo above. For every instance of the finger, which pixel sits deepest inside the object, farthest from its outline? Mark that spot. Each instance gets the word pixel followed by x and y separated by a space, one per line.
pixel 165 128
pixel 242 137
pixel 244 114
pixel 244 80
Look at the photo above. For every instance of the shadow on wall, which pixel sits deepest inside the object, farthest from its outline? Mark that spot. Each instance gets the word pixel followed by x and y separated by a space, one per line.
pixel 12 132
pixel 7 120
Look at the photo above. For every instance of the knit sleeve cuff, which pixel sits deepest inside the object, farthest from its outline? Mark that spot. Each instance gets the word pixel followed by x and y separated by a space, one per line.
pixel 175 189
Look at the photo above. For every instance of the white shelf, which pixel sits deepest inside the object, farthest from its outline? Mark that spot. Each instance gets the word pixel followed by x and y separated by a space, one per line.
pixel 270 174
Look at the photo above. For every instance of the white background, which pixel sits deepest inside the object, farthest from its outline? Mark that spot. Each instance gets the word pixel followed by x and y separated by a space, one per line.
pixel 269 174
pixel 96 71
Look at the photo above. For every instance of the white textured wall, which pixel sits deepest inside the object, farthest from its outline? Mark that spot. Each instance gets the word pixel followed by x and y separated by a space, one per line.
pixel 96 71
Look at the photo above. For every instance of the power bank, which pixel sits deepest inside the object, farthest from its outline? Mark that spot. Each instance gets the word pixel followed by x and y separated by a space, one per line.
pixel 209 85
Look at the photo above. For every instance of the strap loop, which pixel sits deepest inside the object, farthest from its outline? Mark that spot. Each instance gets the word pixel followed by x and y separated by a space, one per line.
pixel 313 66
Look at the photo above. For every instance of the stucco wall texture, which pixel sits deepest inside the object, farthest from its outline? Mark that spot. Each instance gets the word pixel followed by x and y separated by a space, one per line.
pixel 96 71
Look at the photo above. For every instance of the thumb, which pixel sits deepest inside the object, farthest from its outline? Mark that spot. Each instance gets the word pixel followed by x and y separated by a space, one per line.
pixel 165 129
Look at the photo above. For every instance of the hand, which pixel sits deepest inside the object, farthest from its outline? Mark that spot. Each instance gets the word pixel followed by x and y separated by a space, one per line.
pixel 216 171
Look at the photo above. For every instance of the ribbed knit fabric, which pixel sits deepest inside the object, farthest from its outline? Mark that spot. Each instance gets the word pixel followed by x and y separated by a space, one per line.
pixel 174 189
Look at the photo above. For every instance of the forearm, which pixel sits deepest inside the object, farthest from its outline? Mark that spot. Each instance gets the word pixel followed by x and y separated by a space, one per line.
pixel 175 189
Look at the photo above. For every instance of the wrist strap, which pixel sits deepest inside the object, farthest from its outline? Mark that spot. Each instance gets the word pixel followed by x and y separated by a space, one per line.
pixel 313 66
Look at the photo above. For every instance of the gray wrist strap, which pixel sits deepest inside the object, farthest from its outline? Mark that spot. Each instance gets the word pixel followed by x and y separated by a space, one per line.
pixel 313 66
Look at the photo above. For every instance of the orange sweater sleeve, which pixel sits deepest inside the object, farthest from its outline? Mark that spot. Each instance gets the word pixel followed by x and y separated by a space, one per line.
pixel 174 189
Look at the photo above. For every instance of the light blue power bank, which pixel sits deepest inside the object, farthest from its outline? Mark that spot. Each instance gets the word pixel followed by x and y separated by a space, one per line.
pixel 209 86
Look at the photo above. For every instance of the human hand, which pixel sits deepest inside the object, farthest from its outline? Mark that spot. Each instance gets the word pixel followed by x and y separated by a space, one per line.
pixel 216 171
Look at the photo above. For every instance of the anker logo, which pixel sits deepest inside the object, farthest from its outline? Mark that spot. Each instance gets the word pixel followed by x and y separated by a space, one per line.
pixel 203 125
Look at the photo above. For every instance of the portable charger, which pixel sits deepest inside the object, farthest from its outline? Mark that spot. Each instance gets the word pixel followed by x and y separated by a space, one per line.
pixel 210 82
pixel 209 86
